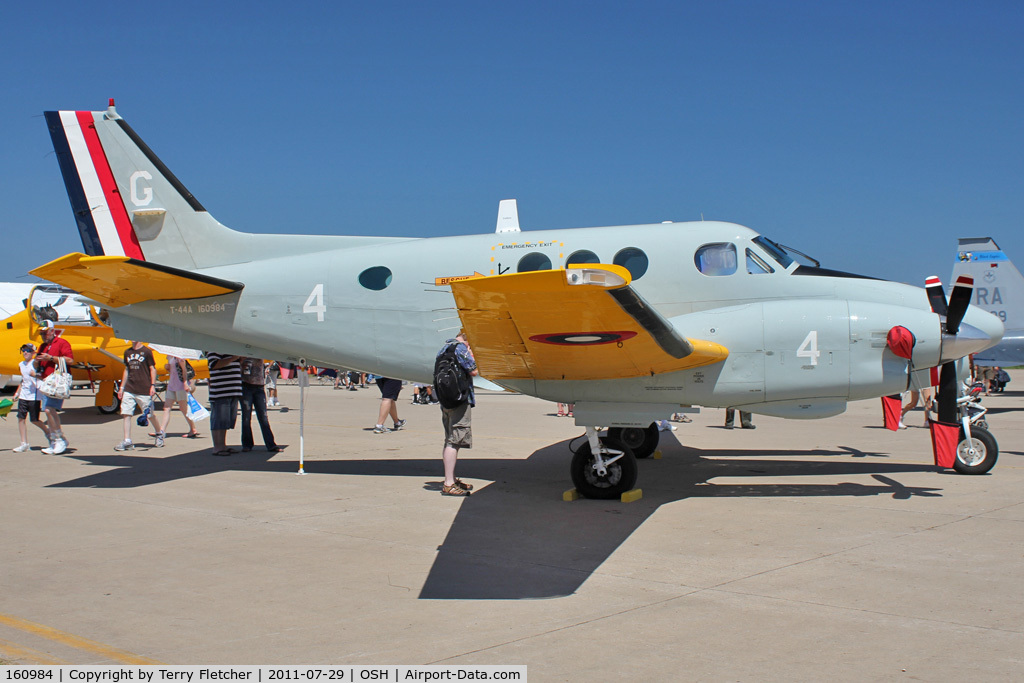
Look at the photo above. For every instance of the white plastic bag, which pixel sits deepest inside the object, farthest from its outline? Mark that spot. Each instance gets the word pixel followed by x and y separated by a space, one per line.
pixel 196 412
pixel 58 384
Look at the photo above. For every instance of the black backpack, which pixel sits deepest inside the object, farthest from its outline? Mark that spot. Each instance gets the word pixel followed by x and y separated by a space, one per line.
pixel 451 381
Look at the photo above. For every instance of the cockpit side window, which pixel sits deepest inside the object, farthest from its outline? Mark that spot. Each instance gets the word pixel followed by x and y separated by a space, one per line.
pixel 756 265
pixel 715 259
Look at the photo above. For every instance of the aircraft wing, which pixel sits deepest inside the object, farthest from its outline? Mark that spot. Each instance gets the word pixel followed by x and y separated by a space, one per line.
pixel 583 323
pixel 119 280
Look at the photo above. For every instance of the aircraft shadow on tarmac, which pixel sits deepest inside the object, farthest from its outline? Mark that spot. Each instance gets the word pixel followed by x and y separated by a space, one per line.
pixel 515 538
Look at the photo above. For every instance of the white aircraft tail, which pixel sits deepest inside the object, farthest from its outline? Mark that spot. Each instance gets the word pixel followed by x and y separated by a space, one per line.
pixel 128 203
pixel 998 285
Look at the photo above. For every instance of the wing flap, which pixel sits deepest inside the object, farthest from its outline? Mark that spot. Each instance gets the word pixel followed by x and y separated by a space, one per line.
pixel 119 280
pixel 584 323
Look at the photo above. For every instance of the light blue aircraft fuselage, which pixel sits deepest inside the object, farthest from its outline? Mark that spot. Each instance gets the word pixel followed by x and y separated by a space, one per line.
pixel 802 341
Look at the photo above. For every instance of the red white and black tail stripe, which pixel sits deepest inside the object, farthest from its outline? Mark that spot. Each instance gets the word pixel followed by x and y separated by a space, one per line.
pixel 103 221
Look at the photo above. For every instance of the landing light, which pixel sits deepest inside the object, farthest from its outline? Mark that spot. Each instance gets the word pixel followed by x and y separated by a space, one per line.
pixel 593 276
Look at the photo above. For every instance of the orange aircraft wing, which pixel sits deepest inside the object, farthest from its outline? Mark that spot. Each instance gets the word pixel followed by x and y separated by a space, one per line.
pixel 583 323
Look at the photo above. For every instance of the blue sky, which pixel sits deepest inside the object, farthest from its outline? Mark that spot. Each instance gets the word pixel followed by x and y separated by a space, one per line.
pixel 870 135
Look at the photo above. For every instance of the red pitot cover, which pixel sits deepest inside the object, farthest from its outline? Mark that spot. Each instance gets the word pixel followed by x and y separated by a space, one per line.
pixel 892 406
pixel 945 438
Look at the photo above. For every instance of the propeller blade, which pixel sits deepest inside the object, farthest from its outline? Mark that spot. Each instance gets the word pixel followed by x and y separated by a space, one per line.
pixel 946 396
pixel 936 295
pixel 959 300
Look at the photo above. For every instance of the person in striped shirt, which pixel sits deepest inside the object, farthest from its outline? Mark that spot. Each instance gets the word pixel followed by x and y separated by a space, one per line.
pixel 225 391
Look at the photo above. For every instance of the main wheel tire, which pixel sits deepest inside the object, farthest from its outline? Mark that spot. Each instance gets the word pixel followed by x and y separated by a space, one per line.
pixel 641 441
pixel 111 408
pixel 621 475
pixel 986 452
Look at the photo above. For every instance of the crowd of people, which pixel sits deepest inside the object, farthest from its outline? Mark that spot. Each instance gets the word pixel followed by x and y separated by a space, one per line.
pixel 37 366
pixel 236 384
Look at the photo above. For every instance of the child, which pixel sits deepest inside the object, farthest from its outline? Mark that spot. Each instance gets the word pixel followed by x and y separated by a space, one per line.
pixel 28 398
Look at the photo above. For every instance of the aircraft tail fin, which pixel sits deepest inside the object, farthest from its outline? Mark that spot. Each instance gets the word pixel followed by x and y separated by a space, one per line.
pixel 125 200
pixel 998 285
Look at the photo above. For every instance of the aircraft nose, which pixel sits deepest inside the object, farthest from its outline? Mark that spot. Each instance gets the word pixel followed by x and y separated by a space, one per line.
pixel 978 331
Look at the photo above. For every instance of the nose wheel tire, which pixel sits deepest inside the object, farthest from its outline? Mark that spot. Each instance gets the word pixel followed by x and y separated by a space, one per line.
pixel 621 475
pixel 978 455
pixel 641 441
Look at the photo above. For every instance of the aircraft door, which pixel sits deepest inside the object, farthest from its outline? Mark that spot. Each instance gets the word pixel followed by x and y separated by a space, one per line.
pixel 807 349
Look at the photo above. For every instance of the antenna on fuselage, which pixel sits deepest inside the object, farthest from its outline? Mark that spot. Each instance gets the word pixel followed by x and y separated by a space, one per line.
pixel 508 216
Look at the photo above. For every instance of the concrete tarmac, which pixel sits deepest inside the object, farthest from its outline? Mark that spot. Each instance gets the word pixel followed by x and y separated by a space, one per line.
pixel 796 551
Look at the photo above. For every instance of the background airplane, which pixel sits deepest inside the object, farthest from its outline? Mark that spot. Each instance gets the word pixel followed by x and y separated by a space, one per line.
pixel 630 323
pixel 98 351
pixel 999 289
pixel 12 300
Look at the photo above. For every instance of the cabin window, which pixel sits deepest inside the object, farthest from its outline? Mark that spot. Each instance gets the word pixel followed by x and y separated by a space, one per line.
pixel 632 259
pixel 581 256
pixel 376 278
pixel 756 265
pixel 716 259
pixel 533 261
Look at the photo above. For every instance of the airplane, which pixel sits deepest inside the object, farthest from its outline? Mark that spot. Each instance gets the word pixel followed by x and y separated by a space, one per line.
pixel 1000 290
pixel 12 300
pixel 12 297
pixel 98 353
pixel 629 323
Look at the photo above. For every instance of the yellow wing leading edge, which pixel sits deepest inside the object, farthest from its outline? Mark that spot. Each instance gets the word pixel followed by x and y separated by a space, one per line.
pixel 582 323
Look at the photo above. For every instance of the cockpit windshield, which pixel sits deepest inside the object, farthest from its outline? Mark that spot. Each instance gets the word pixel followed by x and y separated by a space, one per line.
pixel 60 305
pixel 784 255
pixel 774 250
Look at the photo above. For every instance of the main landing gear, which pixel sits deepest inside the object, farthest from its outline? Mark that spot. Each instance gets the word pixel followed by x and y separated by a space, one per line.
pixel 641 441
pixel 107 401
pixel 604 468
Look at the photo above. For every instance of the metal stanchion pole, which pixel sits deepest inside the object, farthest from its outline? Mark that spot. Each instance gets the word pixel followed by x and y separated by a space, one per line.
pixel 303 383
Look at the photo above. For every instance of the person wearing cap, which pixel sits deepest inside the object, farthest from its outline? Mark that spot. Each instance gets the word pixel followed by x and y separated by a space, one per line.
pixel 138 385
pixel 28 398
pixel 50 351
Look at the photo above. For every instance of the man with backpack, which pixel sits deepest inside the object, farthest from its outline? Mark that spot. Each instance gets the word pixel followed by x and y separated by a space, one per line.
pixel 453 386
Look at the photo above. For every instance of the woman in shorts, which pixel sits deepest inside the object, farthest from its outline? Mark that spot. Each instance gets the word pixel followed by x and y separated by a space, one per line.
pixel 177 392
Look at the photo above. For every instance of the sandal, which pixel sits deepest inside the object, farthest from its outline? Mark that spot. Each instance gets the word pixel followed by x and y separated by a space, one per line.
pixel 190 435
pixel 454 490
pixel 464 485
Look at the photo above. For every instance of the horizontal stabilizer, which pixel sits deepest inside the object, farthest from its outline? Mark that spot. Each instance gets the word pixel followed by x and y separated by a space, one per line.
pixel 119 280
pixel 582 323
